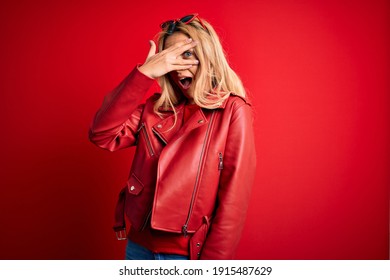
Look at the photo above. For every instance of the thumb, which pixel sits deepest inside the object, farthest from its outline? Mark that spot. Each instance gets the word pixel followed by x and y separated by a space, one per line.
pixel 152 50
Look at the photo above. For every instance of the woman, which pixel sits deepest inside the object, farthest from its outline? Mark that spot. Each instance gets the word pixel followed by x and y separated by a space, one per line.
pixel 190 181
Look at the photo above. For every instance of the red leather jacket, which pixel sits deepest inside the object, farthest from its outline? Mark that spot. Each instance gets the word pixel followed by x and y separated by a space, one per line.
pixel 193 178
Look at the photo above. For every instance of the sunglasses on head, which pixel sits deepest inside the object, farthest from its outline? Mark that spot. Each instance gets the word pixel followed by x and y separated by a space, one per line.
pixel 171 24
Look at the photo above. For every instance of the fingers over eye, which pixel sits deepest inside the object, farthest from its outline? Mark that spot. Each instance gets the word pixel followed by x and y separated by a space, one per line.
pixel 182 67
pixel 181 61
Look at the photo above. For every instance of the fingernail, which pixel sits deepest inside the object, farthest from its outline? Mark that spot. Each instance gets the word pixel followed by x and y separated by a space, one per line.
pixel 189 40
pixel 197 61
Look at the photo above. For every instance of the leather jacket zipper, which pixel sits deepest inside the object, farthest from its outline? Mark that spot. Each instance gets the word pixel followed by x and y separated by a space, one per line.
pixel 220 164
pixel 147 139
pixel 155 132
pixel 202 158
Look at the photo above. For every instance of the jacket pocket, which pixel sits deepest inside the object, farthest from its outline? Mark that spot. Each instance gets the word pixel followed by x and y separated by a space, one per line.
pixel 134 185
pixel 139 201
pixel 130 203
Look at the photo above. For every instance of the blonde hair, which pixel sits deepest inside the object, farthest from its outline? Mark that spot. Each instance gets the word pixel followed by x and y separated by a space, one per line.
pixel 214 80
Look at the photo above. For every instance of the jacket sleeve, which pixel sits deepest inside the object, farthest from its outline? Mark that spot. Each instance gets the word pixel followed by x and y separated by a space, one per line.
pixel 234 191
pixel 115 123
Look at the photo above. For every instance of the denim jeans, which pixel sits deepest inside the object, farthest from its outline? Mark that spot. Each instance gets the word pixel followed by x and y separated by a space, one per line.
pixel 137 252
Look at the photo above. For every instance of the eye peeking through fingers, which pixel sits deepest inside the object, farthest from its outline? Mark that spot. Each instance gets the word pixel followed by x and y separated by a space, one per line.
pixel 187 54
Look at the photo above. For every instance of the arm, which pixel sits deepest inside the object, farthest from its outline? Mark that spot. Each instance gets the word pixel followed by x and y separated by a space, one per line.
pixel 116 122
pixel 234 189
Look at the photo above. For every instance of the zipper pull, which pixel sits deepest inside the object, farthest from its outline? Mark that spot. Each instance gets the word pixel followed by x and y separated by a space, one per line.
pixel 220 165
pixel 184 230
pixel 140 127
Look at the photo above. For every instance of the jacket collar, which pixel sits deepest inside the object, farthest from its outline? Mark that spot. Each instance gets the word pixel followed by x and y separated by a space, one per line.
pixel 183 101
pixel 167 130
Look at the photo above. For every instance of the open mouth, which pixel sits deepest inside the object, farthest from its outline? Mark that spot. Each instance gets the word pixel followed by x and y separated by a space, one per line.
pixel 185 82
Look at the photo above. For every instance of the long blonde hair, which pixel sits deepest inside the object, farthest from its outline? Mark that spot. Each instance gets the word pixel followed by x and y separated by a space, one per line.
pixel 214 80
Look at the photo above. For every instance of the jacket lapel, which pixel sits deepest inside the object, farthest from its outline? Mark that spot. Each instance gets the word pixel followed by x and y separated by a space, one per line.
pixel 165 130
pixel 196 120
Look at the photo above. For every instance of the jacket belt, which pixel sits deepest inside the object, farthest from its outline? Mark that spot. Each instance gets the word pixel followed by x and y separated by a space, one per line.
pixel 120 223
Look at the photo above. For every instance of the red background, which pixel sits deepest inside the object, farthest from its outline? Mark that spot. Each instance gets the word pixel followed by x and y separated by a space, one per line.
pixel 317 72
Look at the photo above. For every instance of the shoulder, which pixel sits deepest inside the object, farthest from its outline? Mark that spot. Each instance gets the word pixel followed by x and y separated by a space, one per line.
pixel 236 110
pixel 234 102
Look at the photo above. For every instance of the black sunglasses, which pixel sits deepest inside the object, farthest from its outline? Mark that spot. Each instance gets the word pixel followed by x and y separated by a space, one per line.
pixel 171 24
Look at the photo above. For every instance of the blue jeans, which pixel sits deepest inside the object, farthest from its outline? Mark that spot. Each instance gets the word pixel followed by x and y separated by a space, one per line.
pixel 137 252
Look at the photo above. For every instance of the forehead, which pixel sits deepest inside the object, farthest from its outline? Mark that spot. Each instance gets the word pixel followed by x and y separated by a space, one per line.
pixel 174 38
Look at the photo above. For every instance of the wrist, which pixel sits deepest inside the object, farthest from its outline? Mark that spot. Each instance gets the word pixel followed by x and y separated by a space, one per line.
pixel 145 71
